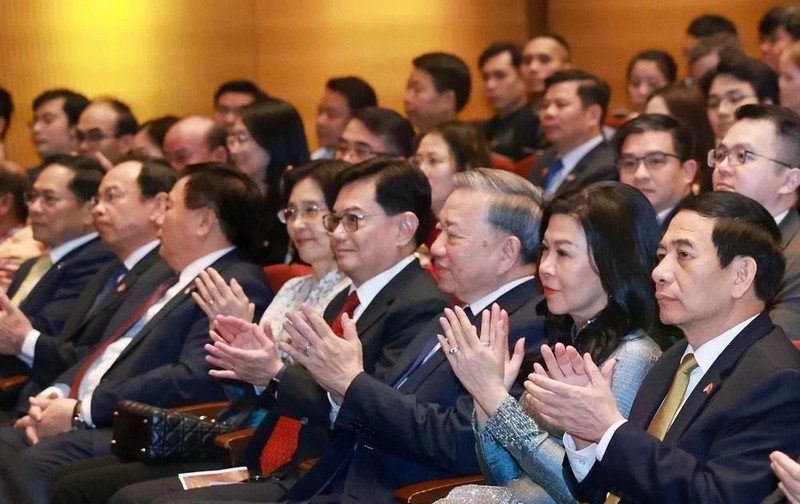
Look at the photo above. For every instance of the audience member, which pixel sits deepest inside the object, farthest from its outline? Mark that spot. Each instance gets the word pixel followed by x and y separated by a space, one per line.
pixel 654 155
pixel 105 131
pixel 760 158
pixel 149 140
pixel 380 215
pixel 6 110
pixel 513 131
pixel 734 83
pixel 157 357
pixel 543 56
pixel 127 211
pixel 193 140
pixel 732 382
pixel 55 118
pixel 572 114
pixel 648 72
pixel 232 95
pixel 688 106
pixel 708 52
pixel 447 149
pixel 343 97
pixel 789 77
pixel 375 131
pixel 312 188
pixel 16 236
pixel 437 89
pixel 705 26
pixel 600 302
pixel 777 30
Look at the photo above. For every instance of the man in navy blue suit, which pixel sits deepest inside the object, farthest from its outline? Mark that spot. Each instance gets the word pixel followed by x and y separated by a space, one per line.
pixel 715 405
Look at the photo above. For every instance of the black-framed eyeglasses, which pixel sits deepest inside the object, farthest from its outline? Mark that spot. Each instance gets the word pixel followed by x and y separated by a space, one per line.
pixel 306 212
pixel 652 161
pixel 349 221
pixel 358 152
pixel 737 157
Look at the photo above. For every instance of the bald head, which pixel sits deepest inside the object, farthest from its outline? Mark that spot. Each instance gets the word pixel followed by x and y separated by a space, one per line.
pixel 195 139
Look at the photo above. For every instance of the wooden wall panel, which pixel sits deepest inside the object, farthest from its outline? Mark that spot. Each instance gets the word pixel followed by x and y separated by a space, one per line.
pixel 605 34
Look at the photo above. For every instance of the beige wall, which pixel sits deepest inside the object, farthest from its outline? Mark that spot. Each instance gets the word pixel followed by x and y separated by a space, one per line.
pixel 168 56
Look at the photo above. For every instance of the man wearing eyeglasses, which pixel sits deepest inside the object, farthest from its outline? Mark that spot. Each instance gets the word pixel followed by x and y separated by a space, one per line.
pixel 737 81
pixel 375 131
pixel 47 287
pixel 195 139
pixel 127 212
pixel 105 131
pixel 654 155
pixel 760 158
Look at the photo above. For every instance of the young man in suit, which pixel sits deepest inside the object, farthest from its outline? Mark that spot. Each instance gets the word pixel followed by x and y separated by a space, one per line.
pixel 127 212
pixel 47 288
pixel 437 90
pixel 153 351
pixel 571 115
pixel 760 158
pixel 713 408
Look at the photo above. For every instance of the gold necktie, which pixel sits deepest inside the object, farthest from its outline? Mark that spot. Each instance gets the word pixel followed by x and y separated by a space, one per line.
pixel 663 418
pixel 37 271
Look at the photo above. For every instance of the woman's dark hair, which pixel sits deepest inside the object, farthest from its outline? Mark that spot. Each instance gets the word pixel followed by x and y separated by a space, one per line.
pixel 467 144
pixel 688 106
pixel 324 172
pixel 276 126
pixel 665 63
pixel 622 234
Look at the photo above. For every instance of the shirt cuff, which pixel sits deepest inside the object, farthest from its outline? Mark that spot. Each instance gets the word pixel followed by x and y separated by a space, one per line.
pixel 335 407
pixel 26 355
pixel 86 410
pixel 602 445
pixel 580 461
pixel 258 389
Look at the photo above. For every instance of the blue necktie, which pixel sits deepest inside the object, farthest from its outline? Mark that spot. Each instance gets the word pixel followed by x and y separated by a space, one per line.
pixel 552 175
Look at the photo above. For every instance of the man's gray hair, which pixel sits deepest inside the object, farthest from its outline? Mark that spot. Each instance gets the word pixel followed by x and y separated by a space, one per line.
pixel 515 206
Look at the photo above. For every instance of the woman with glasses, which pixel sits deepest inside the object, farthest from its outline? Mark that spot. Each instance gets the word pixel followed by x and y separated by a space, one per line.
pixel 598 252
pixel 266 139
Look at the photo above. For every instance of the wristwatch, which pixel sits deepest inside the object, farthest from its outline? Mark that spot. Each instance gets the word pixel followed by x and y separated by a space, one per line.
pixel 78 423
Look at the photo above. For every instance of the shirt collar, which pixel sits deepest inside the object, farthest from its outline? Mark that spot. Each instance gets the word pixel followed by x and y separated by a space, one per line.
pixel 663 214
pixel 370 289
pixel 137 255
pixel 195 267
pixel 488 299
pixel 571 158
pixel 779 218
pixel 58 253
pixel 709 351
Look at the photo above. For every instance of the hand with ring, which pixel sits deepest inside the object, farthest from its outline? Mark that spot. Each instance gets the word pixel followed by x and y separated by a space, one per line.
pixel 305 350
pixel 454 350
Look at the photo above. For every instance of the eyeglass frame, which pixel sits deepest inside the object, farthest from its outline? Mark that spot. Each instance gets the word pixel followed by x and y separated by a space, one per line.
pixel 352 219
pixel 341 150
pixel 289 214
pixel 639 159
pixel 712 162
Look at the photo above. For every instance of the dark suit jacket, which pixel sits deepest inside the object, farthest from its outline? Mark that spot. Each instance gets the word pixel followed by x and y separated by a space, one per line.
pixel 717 449
pixel 165 364
pixel 53 298
pixel 598 164
pixel 55 354
pixel 785 311
pixel 394 437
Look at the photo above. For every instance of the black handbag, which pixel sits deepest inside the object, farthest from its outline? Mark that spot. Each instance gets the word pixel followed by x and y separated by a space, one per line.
pixel 145 433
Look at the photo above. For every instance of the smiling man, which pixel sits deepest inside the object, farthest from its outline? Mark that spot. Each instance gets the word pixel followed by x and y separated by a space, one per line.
pixel 655 157
pixel 760 158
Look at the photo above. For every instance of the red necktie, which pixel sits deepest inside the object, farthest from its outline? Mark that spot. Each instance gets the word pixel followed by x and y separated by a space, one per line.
pixel 280 446
pixel 157 294
pixel 350 305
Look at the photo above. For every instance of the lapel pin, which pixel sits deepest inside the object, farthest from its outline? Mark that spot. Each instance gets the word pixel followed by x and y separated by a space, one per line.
pixel 709 389
pixel 121 287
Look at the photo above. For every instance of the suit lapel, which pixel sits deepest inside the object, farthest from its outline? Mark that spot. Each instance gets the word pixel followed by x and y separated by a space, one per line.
pixel 719 371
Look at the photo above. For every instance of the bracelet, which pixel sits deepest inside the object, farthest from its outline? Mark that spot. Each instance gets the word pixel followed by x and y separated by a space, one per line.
pixel 78 423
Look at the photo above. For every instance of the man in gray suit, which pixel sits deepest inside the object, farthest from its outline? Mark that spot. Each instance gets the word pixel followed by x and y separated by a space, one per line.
pixel 571 116
pixel 760 158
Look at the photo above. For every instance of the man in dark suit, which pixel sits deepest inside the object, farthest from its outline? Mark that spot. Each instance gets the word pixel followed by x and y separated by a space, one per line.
pixel 571 115
pixel 714 406
pixel 153 349
pixel 655 156
pixel 414 423
pixel 760 158
pixel 46 288
pixel 131 202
